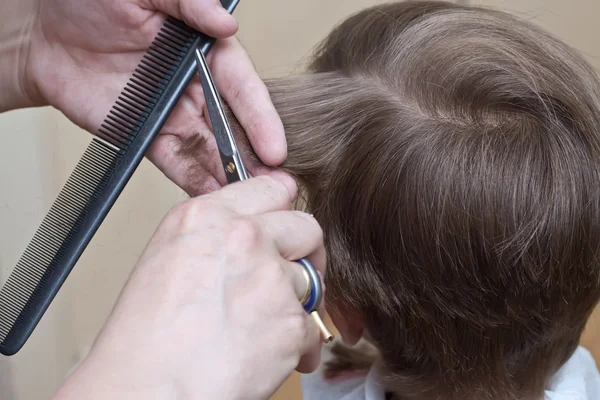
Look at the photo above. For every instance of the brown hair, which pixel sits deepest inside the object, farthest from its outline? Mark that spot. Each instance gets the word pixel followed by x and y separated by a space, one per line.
pixel 452 157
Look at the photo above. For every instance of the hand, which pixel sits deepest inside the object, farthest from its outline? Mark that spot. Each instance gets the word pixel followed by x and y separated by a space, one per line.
pixel 212 309
pixel 82 53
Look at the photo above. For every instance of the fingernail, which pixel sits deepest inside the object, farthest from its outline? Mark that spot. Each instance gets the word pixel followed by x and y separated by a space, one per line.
pixel 307 216
pixel 223 12
pixel 287 180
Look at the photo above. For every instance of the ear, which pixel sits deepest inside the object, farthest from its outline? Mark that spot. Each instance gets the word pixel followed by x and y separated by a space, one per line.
pixel 349 323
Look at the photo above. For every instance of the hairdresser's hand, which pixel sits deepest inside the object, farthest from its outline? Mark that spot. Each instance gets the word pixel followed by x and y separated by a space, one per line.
pixel 82 52
pixel 212 309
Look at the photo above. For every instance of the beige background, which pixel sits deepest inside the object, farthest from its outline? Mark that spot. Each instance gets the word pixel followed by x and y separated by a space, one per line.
pixel 40 149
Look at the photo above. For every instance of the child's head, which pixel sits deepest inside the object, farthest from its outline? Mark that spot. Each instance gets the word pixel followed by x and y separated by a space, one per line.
pixel 452 156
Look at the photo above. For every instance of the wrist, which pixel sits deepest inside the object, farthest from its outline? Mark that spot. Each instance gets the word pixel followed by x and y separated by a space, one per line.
pixel 16 27
pixel 102 376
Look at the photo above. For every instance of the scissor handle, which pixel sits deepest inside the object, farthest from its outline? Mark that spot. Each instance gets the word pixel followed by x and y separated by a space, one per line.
pixel 316 290
pixel 236 171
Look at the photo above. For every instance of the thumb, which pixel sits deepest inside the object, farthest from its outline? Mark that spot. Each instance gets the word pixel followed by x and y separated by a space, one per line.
pixel 207 16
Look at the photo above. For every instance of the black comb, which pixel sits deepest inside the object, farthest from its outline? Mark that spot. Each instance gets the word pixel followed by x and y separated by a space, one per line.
pixel 98 179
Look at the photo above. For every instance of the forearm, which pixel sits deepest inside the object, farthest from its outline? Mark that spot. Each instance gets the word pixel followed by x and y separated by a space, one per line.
pixel 16 21
pixel 93 380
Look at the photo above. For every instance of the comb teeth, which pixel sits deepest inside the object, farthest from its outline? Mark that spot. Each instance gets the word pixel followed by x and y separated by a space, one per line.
pixel 45 248
pixel 97 181
pixel 147 84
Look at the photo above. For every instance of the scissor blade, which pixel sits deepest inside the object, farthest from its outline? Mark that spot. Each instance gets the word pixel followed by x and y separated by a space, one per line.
pixel 215 109
pixel 232 162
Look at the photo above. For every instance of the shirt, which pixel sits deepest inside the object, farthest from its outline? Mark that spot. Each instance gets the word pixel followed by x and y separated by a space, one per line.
pixel 577 379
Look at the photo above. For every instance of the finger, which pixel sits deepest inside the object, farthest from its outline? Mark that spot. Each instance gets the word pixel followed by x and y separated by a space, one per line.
pixel 258 195
pixel 249 99
pixel 298 277
pixel 310 342
pixel 311 350
pixel 189 169
pixel 206 16
pixel 185 150
pixel 296 235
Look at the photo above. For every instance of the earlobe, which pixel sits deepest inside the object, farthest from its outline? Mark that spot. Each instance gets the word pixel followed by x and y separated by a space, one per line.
pixel 349 323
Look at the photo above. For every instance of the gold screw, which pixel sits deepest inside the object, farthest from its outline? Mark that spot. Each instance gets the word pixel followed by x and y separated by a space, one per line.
pixel 230 167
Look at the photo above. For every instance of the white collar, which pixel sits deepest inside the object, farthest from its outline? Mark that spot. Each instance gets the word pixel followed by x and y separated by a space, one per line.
pixel 578 379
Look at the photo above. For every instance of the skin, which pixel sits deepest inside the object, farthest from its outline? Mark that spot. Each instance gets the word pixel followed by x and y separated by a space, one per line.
pixel 197 319
pixel 78 55
pixel 211 309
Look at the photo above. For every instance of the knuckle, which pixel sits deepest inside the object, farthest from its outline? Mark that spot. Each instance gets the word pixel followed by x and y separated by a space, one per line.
pixel 188 214
pixel 274 188
pixel 182 211
pixel 243 235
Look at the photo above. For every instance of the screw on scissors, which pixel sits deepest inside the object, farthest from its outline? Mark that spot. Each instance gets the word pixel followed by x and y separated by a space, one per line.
pixel 236 171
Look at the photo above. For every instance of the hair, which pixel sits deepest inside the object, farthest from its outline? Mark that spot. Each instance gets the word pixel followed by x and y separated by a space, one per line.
pixel 452 157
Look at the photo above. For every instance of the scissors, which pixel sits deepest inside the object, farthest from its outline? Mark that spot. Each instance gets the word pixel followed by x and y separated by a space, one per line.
pixel 236 171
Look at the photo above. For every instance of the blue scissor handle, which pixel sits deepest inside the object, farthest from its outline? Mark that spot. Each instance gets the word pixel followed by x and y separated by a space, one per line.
pixel 316 290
